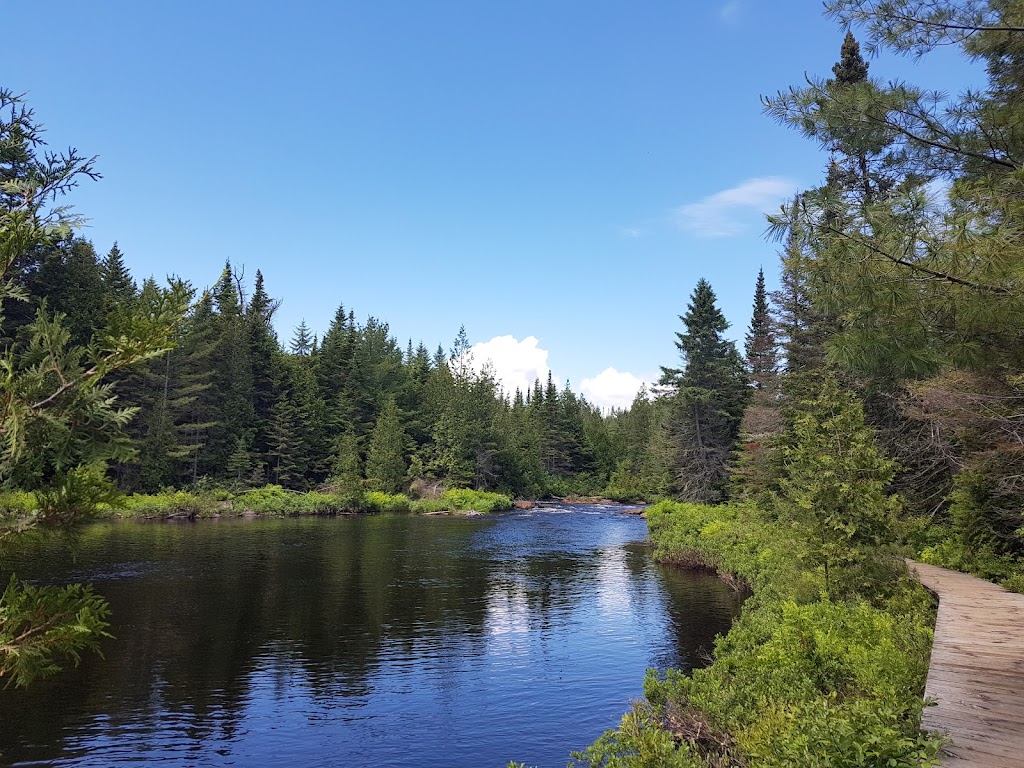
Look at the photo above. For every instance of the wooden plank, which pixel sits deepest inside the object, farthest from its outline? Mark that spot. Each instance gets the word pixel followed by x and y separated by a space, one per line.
pixel 976 673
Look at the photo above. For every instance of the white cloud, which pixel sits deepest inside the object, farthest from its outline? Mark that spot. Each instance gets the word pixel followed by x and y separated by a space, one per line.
pixel 729 212
pixel 516 364
pixel 630 232
pixel 611 388
pixel 730 11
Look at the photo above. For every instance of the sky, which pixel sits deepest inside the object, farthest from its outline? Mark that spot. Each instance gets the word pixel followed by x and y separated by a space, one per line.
pixel 554 176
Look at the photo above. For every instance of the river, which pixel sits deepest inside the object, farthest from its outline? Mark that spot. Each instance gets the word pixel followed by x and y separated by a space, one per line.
pixel 390 640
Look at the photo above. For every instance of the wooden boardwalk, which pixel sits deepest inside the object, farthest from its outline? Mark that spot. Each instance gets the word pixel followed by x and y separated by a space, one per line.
pixel 977 670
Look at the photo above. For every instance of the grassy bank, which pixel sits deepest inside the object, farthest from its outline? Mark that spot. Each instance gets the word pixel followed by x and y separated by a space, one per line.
pixel 270 501
pixel 803 679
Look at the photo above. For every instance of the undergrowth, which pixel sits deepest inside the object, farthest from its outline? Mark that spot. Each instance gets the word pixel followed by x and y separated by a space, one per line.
pixel 803 680
pixel 270 501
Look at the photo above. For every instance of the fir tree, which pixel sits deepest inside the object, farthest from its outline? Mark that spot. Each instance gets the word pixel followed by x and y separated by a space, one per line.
pixel 835 490
pixel 708 395
pixel 761 349
pixel 346 470
pixel 385 462
pixel 302 340
pixel 119 289
pixel 851 67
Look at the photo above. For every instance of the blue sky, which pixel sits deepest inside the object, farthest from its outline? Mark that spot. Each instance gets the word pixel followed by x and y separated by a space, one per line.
pixel 560 173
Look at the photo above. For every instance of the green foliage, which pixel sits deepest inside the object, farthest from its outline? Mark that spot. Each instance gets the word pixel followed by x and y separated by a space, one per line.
pixel 464 499
pixel 60 421
pixel 834 490
pixel 378 501
pixel 169 504
pixel 481 501
pixel 706 399
pixel 800 680
pixel 44 627
pixel 385 462
pixel 73 496
pixel 273 500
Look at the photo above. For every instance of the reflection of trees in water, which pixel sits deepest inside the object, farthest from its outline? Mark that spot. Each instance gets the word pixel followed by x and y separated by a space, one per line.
pixel 310 597
pixel 695 601
pixel 208 617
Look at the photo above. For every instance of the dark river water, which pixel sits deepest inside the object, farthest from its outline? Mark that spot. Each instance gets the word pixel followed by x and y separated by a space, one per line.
pixel 370 641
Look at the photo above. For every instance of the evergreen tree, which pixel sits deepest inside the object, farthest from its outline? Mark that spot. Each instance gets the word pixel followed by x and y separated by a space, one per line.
pixel 302 340
pixel 119 289
pixel 761 348
pixel 851 67
pixel 232 379
pixel 264 361
pixel 707 396
pixel 834 489
pixel 284 466
pixel 346 470
pixel 69 281
pixel 385 462
pixel 60 420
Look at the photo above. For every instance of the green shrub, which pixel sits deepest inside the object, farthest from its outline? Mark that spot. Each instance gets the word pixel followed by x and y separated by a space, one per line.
pixel 17 503
pixel 481 501
pixel 463 499
pixel 426 506
pixel 378 501
pixel 169 504
pixel 275 501
pixel 800 680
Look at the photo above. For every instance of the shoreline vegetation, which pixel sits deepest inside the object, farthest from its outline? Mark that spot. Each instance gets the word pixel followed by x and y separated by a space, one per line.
pixel 270 501
pixel 275 501
pixel 804 678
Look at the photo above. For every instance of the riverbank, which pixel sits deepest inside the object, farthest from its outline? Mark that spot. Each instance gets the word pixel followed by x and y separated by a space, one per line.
pixel 271 501
pixel 802 679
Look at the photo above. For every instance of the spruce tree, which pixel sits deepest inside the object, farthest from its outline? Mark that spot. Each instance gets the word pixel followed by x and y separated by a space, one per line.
pixel 346 470
pixel 708 395
pixel 119 289
pixel 302 340
pixel 385 461
pixel 761 348
pixel 834 490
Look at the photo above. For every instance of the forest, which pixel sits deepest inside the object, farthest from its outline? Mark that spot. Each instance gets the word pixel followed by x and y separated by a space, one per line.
pixel 873 408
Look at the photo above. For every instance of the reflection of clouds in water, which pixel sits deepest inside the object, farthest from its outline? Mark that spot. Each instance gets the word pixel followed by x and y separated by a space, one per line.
pixel 613 594
pixel 508 611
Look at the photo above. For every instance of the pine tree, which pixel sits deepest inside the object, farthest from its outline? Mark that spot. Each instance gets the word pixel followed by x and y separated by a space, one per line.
pixel 707 397
pixel 284 465
pixel 264 360
pixel 385 462
pixel 232 380
pixel 119 289
pixel 70 282
pixel 302 340
pixel 851 67
pixel 346 471
pixel 761 348
pixel 834 489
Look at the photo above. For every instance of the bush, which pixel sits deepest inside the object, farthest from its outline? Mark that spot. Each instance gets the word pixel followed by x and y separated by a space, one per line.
pixel 169 504
pixel 273 500
pixel 463 499
pixel 481 501
pixel 800 680
pixel 378 501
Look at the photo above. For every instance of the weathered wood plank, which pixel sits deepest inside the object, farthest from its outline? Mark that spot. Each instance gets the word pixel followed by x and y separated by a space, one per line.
pixel 976 673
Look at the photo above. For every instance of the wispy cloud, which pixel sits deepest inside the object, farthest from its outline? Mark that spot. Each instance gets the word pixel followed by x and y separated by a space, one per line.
pixel 631 232
pixel 730 211
pixel 729 12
